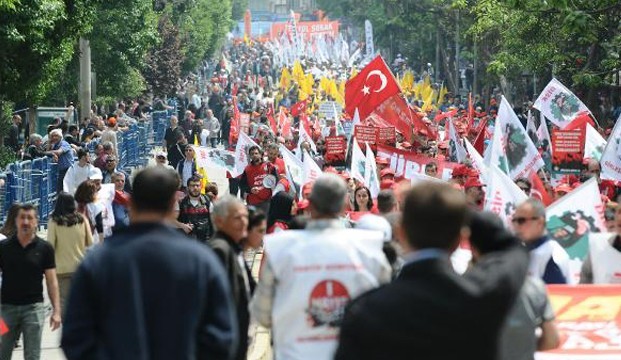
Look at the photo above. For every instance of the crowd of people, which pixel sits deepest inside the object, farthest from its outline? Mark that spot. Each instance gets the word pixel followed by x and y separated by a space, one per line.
pixel 346 273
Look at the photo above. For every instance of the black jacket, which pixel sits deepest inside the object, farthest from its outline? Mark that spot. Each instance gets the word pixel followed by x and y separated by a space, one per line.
pixel 148 292
pixel 228 252
pixel 430 312
pixel 199 216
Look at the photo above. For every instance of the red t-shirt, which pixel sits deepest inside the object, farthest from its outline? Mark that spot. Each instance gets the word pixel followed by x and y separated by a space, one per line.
pixel 280 166
pixel 254 176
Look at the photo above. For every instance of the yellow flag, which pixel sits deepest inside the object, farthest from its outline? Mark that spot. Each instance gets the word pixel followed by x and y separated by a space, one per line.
pixel 204 178
pixel 298 72
pixel 285 78
pixel 443 92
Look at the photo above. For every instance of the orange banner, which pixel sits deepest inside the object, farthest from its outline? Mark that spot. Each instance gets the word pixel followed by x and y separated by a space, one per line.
pixel 308 29
pixel 589 321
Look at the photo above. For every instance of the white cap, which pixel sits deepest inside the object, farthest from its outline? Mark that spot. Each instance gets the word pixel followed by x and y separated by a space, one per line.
pixel 377 223
pixel 95 174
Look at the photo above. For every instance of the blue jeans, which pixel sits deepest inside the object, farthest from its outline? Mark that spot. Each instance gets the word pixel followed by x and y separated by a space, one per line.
pixel 26 319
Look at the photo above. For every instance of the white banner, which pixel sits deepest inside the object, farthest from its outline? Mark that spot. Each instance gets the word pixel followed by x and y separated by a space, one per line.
pixel 358 160
pixel 594 143
pixel 502 195
pixel 611 157
pixel 370 173
pixel 244 142
pixel 368 32
pixel 559 104
pixel 310 170
pixel 456 150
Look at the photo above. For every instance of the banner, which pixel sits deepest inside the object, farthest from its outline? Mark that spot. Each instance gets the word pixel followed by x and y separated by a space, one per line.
pixel 368 32
pixel 307 29
pixel 572 218
pixel 357 168
pixel 370 172
pixel 387 136
pixel 336 149
pixel 594 143
pixel 215 158
pixel 456 151
pixel 519 152
pixel 326 109
pixel 588 318
pixel 568 151
pixel 559 104
pixel 611 157
pixel 407 164
pixel 502 195
pixel 241 153
pixel 310 169
pixel 366 135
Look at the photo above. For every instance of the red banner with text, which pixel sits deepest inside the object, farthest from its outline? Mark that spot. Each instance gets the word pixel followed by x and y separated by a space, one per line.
pixel 336 148
pixel 588 318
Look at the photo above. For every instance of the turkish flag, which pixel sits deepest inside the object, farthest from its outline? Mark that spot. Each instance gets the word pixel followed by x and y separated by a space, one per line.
pixel 305 123
pixel 538 190
pixel 298 108
pixel 370 88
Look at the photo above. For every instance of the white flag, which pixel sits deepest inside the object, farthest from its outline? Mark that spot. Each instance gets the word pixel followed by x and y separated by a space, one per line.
pixel 244 142
pixel 559 104
pixel 293 164
pixel 495 152
pixel 611 157
pixel 370 173
pixel 531 130
pixel 456 150
pixel 368 32
pixel 311 170
pixel 302 137
pixel 477 161
pixel 543 134
pixel 418 178
pixel 502 195
pixel 594 143
pixel 520 153
pixel 573 217
pixel 358 160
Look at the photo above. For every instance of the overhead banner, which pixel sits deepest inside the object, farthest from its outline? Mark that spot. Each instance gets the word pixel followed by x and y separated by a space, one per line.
pixel 336 147
pixel 368 34
pixel 307 29
pixel 568 150
pixel 588 318
pixel 408 164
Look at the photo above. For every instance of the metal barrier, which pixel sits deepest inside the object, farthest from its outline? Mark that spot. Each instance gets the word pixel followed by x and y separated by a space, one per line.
pixel 34 182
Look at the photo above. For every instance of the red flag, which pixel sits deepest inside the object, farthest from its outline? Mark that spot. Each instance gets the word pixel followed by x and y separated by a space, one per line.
pixel 580 121
pixel 3 327
pixel 304 122
pixel 284 123
pixel 270 118
pixel 234 130
pixel 298 108
pixel 479 141
pixel 370 88
pixel 538 190
pixel 443 115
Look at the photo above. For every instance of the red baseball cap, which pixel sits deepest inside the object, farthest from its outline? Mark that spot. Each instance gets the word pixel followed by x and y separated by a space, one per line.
pixel 387 171
pixel 473 182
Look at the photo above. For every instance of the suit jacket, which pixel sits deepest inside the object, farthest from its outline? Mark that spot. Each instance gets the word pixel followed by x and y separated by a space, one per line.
pixel 228 251
pixel 431 312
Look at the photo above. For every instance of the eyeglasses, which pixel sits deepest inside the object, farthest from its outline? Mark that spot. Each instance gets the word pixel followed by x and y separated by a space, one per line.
pixel 523 220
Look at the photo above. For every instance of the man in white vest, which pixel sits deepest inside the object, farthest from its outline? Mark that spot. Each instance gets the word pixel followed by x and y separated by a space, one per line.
pixel 310 275
pixel 602 264
pixel 548 260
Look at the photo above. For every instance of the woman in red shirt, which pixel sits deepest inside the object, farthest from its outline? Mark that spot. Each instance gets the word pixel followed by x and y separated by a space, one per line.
pixel 282 209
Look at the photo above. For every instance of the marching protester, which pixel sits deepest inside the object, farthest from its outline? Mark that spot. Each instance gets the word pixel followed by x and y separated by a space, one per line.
pixel 323 267
pixel 194 212
pixel 230 218
pixel 158 257
pixel 427 301
pixel 253 179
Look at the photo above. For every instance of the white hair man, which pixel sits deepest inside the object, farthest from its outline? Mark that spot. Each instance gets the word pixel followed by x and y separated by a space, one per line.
pixel 310 275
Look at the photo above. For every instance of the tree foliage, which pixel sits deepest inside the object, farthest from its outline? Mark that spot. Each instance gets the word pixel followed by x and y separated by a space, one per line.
pixel 164 60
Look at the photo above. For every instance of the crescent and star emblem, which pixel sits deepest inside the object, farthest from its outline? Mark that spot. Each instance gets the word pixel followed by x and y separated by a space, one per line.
pixel 366 90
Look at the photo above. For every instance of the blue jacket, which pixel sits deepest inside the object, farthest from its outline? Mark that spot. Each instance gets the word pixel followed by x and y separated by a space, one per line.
pixel 149 292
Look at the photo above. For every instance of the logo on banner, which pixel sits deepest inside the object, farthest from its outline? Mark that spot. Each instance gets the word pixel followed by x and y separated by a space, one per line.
pixel 571 228
pixel 326 305
pixel 564 105
pixel 515 146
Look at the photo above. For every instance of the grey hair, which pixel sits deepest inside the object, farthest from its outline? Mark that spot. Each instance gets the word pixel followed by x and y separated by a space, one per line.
pixel 35 137
pixel 108 145
pixel 328 195
pixel 272 146
pixel 538 207
pixel 222 207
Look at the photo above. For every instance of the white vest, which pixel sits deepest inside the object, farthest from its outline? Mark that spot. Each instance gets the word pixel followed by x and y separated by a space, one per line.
pixel 540 256
pixel 605 260
pixel 317 273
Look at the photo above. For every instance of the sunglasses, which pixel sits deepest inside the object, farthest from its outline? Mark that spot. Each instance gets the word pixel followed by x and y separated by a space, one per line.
pixel 523 220
pixel 161 157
